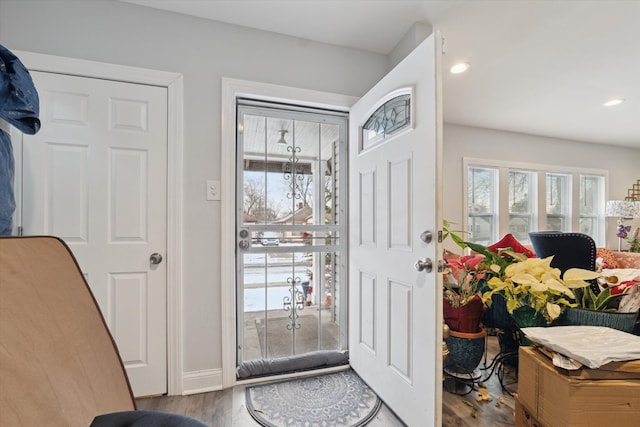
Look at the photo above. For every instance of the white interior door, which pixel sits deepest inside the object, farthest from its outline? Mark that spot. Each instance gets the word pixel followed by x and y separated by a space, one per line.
pixel 395 319
pixel 96 176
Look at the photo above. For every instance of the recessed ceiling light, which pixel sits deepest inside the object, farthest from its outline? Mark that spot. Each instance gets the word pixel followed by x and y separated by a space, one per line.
pixel 459 68
pixel 613 102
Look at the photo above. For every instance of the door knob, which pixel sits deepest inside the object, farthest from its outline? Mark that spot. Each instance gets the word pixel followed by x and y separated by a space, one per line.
pixel 155 258
pixel 426 236
pixel 243 244
pixel 424 265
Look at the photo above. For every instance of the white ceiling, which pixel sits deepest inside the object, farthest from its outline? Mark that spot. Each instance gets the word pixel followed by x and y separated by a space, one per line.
pixel 541 67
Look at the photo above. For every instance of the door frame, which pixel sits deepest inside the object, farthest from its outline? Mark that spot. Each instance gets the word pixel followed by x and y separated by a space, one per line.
pixel 232 89
pixel 173 82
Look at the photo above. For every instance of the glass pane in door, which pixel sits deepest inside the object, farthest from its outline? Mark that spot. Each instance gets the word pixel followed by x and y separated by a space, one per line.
pixel 289 280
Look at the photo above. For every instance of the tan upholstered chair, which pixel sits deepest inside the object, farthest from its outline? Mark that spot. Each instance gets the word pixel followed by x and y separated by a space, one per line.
pixel 59 365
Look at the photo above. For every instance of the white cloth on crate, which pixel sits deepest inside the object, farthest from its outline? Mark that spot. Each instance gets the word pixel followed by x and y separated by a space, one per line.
pixel 592 346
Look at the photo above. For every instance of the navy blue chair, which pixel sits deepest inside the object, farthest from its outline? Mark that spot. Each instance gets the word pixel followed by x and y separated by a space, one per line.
pixel 569 250
pixel 145 419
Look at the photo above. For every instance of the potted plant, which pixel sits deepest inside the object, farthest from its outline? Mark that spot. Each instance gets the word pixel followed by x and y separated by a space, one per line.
pixel 535 293
pixel 600 309
pixel 462 308
pixel 496 259
pixel 463 281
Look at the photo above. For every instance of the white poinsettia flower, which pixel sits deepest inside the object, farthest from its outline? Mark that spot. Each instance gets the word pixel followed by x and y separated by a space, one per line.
pixel 533 282
pixel 573 284
pixel 550 276
pixel 560 287
pixel 524 279
pixel 553 310
pixel 574 274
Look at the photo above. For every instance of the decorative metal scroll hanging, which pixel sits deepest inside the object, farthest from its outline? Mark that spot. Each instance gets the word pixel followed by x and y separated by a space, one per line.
pixel 294 173
pixel 293 302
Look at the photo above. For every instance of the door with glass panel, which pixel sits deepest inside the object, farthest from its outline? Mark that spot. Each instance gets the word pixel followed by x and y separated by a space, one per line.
pixel 290 219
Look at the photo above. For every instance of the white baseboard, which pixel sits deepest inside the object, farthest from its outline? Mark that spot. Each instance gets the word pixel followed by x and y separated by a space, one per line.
pixel 201 381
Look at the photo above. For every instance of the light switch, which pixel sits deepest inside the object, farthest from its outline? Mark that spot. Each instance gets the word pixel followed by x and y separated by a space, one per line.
pixel 213 189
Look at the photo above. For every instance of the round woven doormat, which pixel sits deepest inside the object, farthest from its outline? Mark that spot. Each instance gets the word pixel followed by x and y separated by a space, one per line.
pixel 336 399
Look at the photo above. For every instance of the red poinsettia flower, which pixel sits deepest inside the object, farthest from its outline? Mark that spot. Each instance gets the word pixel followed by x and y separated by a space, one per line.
pixel 463 278
pixel 470 261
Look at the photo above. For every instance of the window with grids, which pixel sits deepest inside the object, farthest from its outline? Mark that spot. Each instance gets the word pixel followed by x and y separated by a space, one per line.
pixel 482 204
pixel 558 201
pixel 522 204
pixel 591 200
pixel 518 199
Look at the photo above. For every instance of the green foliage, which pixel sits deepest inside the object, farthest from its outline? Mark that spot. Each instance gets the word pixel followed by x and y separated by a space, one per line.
pixel 502 259
pixel 532 282
pixel 587 299
pixel 447 233
pixel 497 261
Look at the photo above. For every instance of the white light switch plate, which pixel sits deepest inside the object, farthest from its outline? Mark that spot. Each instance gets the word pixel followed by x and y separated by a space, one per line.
pixel 213 189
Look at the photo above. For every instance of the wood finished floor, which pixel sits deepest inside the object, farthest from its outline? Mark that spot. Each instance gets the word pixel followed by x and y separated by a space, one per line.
pixel 226 408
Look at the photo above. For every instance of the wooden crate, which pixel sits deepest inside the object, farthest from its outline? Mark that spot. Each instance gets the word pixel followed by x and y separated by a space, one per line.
pixel 554 399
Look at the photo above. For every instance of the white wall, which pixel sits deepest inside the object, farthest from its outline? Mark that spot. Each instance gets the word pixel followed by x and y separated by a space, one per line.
pixel 204 52
pixel 623 164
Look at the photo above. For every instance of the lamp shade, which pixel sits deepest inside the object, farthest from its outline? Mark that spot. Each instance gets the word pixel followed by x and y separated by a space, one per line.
pixel 623 209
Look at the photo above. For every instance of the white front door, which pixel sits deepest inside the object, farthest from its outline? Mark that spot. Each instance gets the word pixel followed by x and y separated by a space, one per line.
pixel 96 176
pixel 395 319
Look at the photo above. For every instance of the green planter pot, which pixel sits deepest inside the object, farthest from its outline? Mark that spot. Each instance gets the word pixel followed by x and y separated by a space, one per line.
pixel 465 351
pixel 525 317
pixel 611 319
pixel 496 315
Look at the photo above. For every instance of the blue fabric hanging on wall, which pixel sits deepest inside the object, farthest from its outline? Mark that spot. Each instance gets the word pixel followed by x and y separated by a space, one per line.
pixel 20 107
